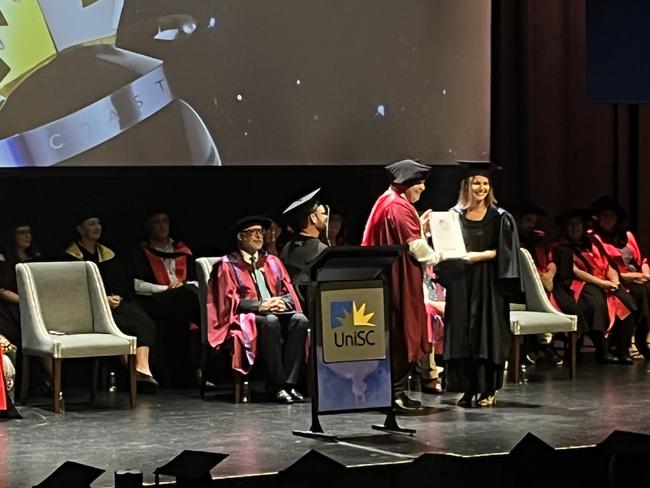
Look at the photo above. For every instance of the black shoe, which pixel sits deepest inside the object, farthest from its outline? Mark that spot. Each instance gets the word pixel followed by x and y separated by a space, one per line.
pixel 146 383
pixel 607 358
pixel 404 403
pixel 625 359
pixel 283 397
pixel 296 395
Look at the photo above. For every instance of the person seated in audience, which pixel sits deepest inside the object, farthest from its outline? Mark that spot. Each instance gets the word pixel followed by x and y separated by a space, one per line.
pixel 337 234
pixel 309 219
pixel 271 237
pixel 164 279
pixel 18 247
pixel 129 316
pixel 625 255
pixel 533 238
pixel 251 300
pixel 584 272
pixel 7 379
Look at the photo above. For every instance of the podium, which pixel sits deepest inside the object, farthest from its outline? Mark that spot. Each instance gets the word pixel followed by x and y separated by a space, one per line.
pixel 349 305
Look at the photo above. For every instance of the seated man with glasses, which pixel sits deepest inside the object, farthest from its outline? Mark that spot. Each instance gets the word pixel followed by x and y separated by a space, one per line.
pixel 251 300
pixel 308 218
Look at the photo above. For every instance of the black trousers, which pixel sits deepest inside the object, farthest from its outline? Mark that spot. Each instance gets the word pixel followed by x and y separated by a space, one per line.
pixel 281 347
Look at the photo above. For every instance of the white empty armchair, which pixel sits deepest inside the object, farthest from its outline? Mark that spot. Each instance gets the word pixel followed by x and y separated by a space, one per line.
pixel 65 314
pixel 539 317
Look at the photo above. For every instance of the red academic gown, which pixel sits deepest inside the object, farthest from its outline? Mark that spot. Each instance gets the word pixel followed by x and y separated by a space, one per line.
pixel 394 220
pixel 231 281
pixel 592 261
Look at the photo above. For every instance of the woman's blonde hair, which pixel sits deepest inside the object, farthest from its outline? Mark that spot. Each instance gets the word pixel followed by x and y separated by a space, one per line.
pixel 465 190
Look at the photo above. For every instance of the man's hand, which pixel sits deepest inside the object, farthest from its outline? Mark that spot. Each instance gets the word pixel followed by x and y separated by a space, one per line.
pixel 175 284
pixel 608 285
pixel 424 219
pixel 114 300
pixel 274 304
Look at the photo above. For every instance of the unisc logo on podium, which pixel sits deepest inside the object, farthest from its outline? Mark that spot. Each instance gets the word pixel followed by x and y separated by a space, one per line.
pixel 353 325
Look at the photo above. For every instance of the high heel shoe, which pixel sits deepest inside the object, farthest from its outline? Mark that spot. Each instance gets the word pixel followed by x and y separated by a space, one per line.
pixel 466 400
pixel 487 400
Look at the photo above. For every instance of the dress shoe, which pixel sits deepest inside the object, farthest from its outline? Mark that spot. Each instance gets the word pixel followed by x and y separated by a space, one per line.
pixel 606 358
pixel 466 400
pixel 432 386
pixel 146 383
pixel 296 395
pixel 625 359
pixel 283 397
pixel 405 404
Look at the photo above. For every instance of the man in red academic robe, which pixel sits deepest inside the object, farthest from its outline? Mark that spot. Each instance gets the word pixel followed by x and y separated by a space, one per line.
pixel 394 220
pixel 251 300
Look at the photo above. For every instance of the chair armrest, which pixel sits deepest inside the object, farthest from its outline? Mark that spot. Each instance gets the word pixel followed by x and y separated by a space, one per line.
pixel 35 337
pixel 103 322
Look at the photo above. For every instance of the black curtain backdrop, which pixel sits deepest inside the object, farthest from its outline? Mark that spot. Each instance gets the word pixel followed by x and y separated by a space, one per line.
pixel 555 148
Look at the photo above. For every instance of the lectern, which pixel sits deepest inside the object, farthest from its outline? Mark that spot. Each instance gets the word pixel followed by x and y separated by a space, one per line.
pixel 349 305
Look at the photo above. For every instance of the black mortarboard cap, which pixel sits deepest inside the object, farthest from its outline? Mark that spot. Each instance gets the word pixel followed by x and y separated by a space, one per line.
pixel 530 207
pixel 84 213
pixel 407 171
pixel 303 206
pixel 71 475
pixel 248 221
pixel 191 468
pixel 608 203
pixel 483 168
pixel 562 218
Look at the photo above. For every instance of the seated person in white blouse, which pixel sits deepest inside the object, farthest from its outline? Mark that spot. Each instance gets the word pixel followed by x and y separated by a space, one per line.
pixel 164 278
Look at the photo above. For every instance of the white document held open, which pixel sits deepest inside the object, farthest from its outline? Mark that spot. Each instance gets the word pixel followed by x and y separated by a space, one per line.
pixel 446 234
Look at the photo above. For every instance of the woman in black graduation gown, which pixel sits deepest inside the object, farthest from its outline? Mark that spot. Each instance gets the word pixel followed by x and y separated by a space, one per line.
pixel 129 316
pixel 477 325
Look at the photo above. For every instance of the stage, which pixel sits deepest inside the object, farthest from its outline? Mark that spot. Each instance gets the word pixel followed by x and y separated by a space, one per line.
pixel 258 439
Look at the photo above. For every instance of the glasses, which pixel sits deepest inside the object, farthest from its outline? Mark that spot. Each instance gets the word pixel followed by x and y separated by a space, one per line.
pixel 253 232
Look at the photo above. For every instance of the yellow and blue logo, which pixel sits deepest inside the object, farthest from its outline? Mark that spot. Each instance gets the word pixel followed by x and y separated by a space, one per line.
pixel 346 312
pixel 353 325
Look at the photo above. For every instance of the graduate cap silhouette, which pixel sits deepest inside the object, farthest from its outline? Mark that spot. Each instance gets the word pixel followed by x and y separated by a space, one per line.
pixel 191 468
pixel 71 475
pixel 303 206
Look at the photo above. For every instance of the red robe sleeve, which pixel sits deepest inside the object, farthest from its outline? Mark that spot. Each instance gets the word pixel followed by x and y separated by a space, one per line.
pixel 223 321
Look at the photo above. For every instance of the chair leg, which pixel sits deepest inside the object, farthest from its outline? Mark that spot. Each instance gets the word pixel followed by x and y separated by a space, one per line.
pixel 93 386
pixel 132 382
pixel 24 384
pixel 573 338
pixel 237 381
pixel 516 353
pixel 56 372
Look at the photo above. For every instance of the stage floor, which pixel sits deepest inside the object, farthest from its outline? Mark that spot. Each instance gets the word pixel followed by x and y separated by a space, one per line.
pixel 258 438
